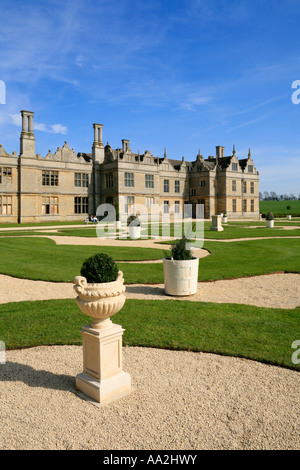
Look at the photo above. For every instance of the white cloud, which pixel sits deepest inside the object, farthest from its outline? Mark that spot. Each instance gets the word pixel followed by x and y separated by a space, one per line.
pixel 58 129
pixel 16 120
pixel 40 127
pixel 193 101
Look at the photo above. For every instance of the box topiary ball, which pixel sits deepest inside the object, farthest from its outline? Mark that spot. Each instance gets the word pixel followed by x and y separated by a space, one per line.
pixel 99 268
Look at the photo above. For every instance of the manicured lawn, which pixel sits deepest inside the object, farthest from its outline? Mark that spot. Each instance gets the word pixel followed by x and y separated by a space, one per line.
pixel 280 207
pixel 42 259
pixel 249 258
pixel 232 230
pixel 261 334
pixel 40 224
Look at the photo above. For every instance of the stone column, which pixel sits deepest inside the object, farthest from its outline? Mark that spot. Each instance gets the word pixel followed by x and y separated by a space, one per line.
pixel 24 121
pixel 27 139
pixel 30 123
pixel 100 134
pixel 95 133
pixel 98 147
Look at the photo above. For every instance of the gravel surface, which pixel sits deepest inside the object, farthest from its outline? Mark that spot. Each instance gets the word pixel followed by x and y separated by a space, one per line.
pixel 180 400
pixel 274 290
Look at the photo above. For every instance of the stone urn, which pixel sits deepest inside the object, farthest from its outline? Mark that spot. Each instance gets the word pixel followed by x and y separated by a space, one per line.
pixel 102 378
pixel 100 300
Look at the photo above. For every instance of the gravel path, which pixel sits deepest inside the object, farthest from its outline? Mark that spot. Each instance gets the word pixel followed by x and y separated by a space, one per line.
pixel 180 401
pixel 274 291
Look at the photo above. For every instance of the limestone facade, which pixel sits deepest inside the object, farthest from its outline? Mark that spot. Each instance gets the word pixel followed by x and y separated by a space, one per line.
pixel 66 186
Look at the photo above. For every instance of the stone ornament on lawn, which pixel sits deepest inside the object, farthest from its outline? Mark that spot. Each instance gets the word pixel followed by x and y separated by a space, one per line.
pixel 269 220
pixel 100 300
pixel 103 378
pixel 216 223
pixel 181 270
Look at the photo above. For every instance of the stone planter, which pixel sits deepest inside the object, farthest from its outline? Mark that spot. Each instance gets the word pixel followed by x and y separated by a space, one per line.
pixel 102 378
pixel 270 223
pixel 100 301
pixel 289 217
pixel 134 232
pixel 118 225
pixel 181 276
pixel 224 219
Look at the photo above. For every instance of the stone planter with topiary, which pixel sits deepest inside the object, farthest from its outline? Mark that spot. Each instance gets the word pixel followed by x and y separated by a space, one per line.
pixel 100 294
pixel 100 289
pixel 180 270
pixel 134 227
pixel 270 220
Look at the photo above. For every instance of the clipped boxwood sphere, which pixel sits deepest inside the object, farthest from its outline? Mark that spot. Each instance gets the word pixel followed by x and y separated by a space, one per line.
pixel 99 268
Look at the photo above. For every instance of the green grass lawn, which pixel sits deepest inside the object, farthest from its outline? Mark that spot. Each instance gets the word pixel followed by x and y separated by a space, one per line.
pixel 41 224
pixel 280 207
pixel 261 334
pixel 42 259
pixel 231 230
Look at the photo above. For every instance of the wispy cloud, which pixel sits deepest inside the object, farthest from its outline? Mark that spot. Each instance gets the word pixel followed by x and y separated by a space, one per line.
pixel 193 101
pixel 16 120
pixel 248 123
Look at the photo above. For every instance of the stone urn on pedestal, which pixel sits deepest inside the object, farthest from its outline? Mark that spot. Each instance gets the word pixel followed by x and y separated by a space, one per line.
pixel 103 378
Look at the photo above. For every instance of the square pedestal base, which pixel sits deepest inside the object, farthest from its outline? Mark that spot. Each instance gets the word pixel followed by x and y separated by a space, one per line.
pixel 103 378
pixel 106 390
pixel 216 223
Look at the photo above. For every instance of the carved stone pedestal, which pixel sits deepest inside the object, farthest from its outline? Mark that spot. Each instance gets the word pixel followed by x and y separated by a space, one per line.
pixel 216 223
pixel 103 378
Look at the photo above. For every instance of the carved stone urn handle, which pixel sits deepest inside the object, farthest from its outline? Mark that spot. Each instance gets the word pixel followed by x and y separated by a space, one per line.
pixel 81 282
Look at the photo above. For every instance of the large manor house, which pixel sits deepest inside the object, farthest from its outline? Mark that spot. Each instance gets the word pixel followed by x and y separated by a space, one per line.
pixel 65 186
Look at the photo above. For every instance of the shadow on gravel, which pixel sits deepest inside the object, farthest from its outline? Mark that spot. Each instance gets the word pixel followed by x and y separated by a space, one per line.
pixel 15 372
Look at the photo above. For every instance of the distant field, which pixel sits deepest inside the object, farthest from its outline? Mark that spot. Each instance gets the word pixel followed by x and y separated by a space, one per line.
pixel 279 208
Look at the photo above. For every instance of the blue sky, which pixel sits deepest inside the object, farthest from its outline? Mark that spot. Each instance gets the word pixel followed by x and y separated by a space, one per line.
pixel 185 75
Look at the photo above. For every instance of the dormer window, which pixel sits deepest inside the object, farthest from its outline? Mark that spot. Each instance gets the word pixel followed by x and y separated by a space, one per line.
pixel 234 166
pixel 250 168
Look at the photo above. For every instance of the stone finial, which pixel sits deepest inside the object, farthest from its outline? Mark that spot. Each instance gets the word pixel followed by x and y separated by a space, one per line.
pixel 233 150
pixel 249 153
pixel 165 153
